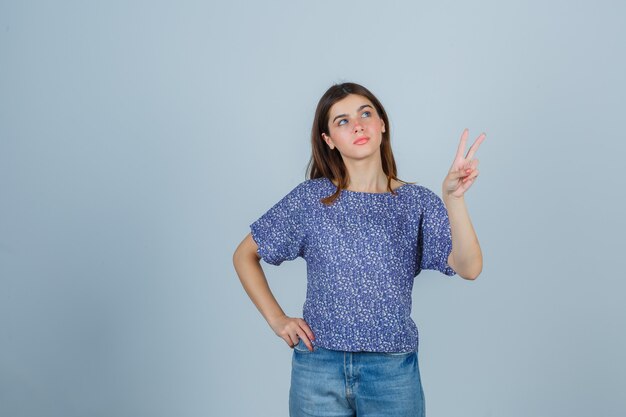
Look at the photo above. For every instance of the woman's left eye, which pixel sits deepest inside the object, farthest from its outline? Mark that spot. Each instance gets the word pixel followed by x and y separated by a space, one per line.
pixel 365 112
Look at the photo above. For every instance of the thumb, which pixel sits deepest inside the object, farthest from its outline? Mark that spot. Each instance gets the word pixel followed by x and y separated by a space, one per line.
pixel 458 173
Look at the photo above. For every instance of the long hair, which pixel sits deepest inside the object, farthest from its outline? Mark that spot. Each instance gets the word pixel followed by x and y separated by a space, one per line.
pixel 326 162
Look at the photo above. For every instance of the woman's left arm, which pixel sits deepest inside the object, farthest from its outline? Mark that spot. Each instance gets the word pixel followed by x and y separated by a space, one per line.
pixel 466 257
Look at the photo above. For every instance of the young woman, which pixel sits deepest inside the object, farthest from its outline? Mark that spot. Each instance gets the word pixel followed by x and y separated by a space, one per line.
pixel 365 235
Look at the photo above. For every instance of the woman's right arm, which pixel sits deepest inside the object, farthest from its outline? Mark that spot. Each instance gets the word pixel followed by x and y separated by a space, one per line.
pixel 248 267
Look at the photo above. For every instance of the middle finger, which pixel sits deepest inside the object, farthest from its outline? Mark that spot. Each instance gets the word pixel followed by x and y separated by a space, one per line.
pixel 475 145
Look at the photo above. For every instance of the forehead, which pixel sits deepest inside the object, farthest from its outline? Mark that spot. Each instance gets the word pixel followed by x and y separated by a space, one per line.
pixel 348 104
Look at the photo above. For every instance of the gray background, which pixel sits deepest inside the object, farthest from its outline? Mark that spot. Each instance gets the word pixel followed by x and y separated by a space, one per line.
pixel 138 141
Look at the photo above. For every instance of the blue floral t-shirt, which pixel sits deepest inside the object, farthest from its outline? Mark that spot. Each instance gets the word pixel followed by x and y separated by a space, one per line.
pixel 362 254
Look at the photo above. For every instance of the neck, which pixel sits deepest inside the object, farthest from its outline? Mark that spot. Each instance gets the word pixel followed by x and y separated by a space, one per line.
pixel 366 176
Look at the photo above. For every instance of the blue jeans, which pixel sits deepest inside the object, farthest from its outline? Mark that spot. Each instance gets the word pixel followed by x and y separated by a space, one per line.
pixel 364 384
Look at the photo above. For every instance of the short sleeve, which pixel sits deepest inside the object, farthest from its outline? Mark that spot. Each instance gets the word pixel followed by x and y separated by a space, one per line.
pixel 278 232
pixel 435 239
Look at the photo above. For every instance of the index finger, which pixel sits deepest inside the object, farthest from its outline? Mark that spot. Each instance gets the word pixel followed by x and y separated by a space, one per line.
pixel 306 341
pixel 308 334
pixel 475 146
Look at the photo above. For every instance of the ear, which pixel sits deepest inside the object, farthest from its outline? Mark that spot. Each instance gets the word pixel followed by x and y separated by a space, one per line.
pixel 383 122
pixel 328 140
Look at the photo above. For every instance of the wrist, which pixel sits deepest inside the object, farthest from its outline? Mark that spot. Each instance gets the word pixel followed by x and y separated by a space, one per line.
pixel 449 197
pixel 273 319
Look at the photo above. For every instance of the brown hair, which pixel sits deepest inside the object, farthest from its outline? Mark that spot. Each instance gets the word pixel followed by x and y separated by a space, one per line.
pixel 326 162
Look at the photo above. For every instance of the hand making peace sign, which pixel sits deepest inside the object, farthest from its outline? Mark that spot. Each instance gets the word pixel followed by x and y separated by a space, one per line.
pixel 464 169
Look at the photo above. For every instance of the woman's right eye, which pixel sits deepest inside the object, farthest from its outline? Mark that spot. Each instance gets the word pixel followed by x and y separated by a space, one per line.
pixel 341 121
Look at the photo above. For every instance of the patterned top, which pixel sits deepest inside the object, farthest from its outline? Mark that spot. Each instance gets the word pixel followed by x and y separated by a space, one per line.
pixel 362 254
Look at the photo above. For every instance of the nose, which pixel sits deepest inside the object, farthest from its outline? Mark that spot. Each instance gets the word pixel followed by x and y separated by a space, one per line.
pixel 357 126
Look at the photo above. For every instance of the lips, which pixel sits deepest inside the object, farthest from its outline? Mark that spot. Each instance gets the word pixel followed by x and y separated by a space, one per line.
pixel 361 140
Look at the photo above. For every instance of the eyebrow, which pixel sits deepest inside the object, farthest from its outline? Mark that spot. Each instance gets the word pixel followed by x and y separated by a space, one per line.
pixel 358 110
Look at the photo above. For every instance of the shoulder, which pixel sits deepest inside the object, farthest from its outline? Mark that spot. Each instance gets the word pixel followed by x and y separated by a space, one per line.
pixel 423 196
pixel 307 186
pixel 307 191
pixel 315 187
pixel 425 192
pixel 419 191
pixel 314 183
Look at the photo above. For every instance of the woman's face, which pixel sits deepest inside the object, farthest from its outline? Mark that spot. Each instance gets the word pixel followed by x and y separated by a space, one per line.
pixel 355 127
